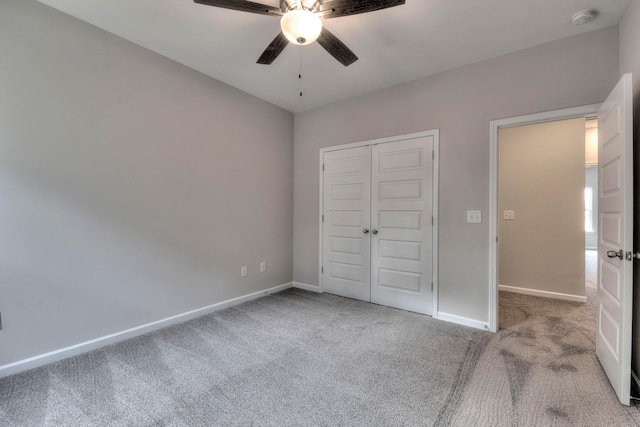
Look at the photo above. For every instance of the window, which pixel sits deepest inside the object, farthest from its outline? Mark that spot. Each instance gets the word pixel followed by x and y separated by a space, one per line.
pixel 588 210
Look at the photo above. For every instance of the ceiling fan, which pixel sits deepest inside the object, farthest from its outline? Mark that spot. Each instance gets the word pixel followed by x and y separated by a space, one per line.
pixel 301 22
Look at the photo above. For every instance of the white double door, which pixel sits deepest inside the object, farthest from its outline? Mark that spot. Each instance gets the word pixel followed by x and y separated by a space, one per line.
pixel 377 228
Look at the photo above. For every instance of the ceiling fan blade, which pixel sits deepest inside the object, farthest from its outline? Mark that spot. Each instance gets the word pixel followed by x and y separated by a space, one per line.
pixel 243 6
pixel 273 50
pixel 336 48
pixel 338 8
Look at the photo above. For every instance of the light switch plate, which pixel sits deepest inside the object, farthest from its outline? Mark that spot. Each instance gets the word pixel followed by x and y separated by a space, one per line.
pixel 474 217
pixel 244 271
pixel 263 267
pixel 509 215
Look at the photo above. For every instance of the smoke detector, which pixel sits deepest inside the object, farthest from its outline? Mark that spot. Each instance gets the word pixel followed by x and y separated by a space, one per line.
pixel 584 16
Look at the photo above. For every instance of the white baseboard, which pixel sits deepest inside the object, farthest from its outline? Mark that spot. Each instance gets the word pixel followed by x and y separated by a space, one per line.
pixel 63 353
pixel 544 294
pixel 306 287
pixel 465 321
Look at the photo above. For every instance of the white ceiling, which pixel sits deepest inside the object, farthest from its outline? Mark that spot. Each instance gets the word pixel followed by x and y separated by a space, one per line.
pixel 395 45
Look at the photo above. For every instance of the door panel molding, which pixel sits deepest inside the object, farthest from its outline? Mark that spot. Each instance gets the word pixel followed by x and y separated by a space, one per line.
pixel 347 271
pixel 404 188
pixel 615 284
pixel 390 163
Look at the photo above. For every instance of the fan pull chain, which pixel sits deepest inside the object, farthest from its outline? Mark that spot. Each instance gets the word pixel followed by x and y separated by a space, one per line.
pixel 300 71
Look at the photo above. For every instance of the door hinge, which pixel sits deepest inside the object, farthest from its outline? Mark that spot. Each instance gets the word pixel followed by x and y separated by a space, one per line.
pixel 322 270
pixel 322 218
pixel 433 155
pixel 432 287
pixel 323 167
pixel 432 220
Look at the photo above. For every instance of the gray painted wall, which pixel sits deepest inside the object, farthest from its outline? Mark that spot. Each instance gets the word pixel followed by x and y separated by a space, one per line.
pixel 131 188
pixel 574 71
pixel 630 63
pixel 591 180
pixel 116 203
pixel 541 178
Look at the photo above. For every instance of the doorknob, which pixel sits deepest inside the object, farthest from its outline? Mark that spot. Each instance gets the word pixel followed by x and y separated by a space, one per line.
pixel 374 231
pixel 614 254
pixel 365 231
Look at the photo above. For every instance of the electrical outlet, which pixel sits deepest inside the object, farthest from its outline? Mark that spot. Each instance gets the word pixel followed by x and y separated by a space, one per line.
pixel 263 267
pixel 244 271
pixel 509 215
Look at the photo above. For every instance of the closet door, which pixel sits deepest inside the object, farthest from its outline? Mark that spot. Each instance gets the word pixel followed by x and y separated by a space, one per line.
pixel 347 212
pixel 401 224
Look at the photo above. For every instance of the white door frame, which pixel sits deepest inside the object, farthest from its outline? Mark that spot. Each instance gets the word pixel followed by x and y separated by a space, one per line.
pixel 495 125
pixel 435 133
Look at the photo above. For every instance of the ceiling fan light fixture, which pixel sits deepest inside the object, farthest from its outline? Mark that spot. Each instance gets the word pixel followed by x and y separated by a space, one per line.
pixel 301 26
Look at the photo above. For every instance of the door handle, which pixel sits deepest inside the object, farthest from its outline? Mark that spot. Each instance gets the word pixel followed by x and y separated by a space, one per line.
pixel 365 231
pixel 374 231
pixel 614 254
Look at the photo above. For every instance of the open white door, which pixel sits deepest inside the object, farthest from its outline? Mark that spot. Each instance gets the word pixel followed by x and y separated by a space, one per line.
pixel 615 237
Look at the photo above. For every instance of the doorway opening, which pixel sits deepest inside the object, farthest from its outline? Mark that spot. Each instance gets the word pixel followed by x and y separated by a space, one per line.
pixel 498 212
pixel 616 253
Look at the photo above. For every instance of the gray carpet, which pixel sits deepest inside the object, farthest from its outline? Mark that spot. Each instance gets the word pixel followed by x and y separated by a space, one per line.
pixel 294 358
pixel 541 368
pixel 299 358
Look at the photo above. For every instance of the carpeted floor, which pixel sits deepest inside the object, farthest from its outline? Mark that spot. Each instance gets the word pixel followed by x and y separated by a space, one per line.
pixel 293 358
pixel 299 358
pixel 541 368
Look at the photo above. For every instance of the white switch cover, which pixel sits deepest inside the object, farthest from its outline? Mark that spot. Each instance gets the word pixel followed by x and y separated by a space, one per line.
pixel 243 271
pixel 509 215
pixel 263 267
pixel 474 217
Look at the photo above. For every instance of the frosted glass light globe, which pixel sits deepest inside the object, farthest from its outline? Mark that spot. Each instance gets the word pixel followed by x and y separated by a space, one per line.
pixel 301 26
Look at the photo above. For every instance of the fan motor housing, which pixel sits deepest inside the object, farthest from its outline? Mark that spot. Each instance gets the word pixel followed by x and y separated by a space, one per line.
pixel 311 5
